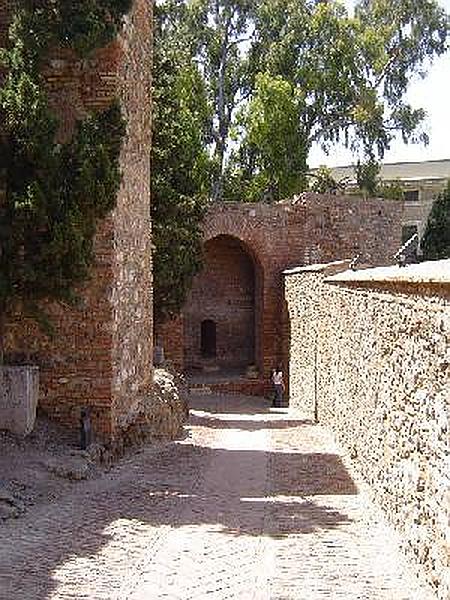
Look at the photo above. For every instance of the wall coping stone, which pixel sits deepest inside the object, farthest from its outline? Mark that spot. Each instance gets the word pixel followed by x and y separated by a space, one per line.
pixel 431 272
pixel 317 268
pixel 299 201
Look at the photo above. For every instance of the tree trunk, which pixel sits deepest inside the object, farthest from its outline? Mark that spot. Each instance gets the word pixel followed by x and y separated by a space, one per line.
pixel 223 123
pixel 2 336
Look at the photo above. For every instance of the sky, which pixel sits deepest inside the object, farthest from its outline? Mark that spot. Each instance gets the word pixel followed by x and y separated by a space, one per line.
pixel 432 94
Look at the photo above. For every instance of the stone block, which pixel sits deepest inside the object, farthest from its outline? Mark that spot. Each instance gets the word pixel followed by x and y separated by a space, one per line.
pixel 19 393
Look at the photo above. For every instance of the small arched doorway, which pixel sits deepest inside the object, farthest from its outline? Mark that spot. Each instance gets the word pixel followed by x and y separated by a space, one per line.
pixel 223 311
pixel 208 339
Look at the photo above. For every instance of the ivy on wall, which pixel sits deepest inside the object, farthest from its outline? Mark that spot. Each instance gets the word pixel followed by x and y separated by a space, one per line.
pixel 54 194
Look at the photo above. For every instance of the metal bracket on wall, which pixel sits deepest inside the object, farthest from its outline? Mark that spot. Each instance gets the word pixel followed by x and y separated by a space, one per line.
pixel 408 252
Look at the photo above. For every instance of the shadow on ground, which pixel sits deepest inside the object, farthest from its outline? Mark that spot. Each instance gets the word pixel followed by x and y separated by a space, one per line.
pixel 235 405
pixel 168 487
pixel 247 424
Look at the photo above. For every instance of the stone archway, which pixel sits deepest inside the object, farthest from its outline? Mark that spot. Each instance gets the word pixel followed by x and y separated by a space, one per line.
pixel 223 309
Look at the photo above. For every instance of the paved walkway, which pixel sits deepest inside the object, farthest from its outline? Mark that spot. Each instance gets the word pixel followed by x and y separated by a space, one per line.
pixel 252 505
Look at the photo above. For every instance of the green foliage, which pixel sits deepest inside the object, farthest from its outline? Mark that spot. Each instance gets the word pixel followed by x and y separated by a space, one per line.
pixel 349 76
pixel 354 71
pixel 272 140
pixel 180 163
pixel 324 182
pixel 436 240
pixel 54 194
pixel 390 191
pixel 221 33
pixel 51 210
pixel 370 184
pixel 84 25
pixel 89 24
pixel 367 177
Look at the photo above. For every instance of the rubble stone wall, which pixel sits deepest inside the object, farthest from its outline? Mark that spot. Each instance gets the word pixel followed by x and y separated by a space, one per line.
pixel 131 294
pixel 371 359
pixel 101 355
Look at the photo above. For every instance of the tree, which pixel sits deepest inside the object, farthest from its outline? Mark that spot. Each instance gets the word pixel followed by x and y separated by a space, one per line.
pixel 323 181
pixel 223 30
pixel 348 75
pixel 273 147
pixel 370 184
pixel 367 177
pixel 390 191
pixel 435 244
pixel 181 166
pixel 54 194
pixel 353 72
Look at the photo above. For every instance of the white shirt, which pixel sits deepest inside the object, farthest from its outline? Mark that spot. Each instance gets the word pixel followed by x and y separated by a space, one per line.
pixel 277 378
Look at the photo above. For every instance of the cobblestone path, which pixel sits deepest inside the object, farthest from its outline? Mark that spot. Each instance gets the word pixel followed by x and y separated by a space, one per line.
pixel 251 505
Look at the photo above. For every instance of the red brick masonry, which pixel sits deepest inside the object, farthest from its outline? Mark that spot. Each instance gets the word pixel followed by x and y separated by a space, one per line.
pixel 306 230
pixel 102 353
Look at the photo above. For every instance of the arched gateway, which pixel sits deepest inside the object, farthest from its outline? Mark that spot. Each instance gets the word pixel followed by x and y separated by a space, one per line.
pixel 221 319
pixel 235 315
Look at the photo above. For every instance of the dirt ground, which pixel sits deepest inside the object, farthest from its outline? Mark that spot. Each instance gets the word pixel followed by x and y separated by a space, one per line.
pixel 48 464
pixel 41 468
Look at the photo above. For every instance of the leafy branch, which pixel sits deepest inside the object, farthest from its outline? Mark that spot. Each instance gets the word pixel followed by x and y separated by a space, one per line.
pixel 54 194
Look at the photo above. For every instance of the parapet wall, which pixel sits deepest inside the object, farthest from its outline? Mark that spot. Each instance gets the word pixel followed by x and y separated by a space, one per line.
pixel 369 356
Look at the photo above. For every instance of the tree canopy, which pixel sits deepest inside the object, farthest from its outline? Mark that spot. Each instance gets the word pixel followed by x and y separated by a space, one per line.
pixel 180 161
pixel 339 78
pixel 272 158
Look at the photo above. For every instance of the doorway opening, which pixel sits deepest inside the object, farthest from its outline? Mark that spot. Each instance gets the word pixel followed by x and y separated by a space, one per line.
pixel 208 338
pixel 223 311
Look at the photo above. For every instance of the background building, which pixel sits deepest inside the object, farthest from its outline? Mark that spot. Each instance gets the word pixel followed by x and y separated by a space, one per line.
pixel 421 181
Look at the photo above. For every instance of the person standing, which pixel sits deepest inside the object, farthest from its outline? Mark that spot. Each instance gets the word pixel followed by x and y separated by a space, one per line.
pixel 278 385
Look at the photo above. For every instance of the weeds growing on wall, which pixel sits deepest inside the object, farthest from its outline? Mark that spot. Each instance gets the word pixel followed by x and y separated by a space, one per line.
pixel 54 194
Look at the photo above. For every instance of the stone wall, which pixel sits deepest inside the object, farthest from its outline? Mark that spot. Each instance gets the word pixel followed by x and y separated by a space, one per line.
pixel 131 295
pixel 169 336
pixel 19 392
pixel 102 353
pixel 307 229
pixel 159 416
pixel 369 356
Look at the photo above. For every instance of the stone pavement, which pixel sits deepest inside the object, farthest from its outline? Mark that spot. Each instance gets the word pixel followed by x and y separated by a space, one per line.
pixel 253 504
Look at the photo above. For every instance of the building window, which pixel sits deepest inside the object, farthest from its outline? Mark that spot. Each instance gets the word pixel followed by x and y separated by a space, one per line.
pixel 411 195
pixel 208 339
